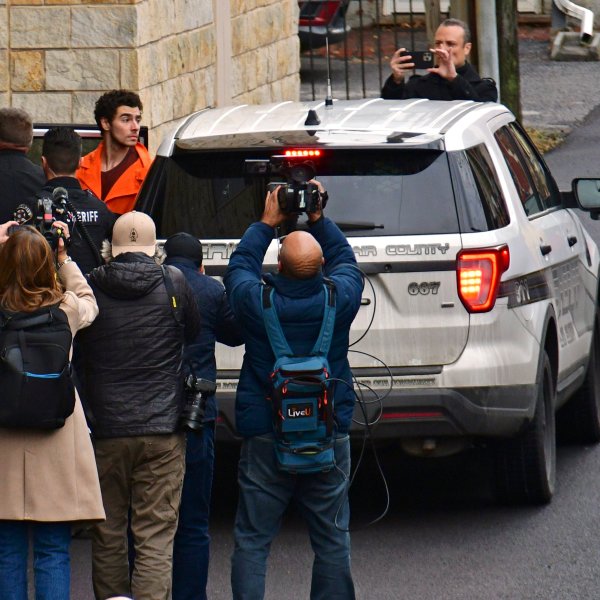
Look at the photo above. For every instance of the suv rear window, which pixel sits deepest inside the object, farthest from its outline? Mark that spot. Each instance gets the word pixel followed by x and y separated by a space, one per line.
pixel 371 192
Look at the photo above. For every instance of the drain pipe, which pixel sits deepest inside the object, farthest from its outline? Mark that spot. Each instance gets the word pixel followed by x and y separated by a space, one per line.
pixel 585 15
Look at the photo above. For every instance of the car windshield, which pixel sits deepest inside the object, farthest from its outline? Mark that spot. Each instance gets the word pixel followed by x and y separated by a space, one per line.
pixel 372 193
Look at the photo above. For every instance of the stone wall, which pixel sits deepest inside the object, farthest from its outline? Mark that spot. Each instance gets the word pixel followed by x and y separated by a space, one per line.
pixel 58 56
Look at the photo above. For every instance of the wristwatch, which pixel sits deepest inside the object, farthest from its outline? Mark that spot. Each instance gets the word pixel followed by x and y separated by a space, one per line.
pixel 64 262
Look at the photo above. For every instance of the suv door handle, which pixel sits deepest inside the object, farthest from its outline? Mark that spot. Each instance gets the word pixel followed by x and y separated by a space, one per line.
pixel 545 249
pixel 572 240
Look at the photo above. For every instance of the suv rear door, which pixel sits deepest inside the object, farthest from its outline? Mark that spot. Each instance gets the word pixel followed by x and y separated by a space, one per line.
pixel 396 207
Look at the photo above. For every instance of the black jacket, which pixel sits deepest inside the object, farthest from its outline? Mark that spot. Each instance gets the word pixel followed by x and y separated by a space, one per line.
pixel 466 86
pixel 97 220
pixel 132 352
pixel 20 180
pixel 217 324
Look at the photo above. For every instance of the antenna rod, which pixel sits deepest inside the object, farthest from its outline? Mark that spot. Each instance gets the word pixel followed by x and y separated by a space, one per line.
pixel 328 97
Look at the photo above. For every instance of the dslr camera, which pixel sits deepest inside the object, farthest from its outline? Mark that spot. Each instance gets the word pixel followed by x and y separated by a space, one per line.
pixel 296 194
pixel 197 390
pixel 49 210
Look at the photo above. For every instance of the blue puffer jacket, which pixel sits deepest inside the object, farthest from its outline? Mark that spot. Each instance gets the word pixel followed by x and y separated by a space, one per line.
pixel 299 305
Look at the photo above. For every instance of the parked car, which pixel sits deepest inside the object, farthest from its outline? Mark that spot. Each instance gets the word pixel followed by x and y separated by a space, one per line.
pixel 320 20
pixel 479 319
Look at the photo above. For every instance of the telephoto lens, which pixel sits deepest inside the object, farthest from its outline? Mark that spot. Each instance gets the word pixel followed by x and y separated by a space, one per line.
pixel 197 390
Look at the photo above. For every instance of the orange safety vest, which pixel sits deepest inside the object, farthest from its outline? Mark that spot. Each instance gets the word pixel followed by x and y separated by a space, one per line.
pixel 121 197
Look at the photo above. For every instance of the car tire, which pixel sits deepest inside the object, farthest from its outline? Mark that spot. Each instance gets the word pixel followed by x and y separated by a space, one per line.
pixel 525 466
pixel 579 419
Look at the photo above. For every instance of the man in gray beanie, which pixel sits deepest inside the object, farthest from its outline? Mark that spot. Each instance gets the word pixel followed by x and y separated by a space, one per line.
pixel 217 324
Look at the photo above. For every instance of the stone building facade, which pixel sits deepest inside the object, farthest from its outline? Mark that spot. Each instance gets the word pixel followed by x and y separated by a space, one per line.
pixel 58 56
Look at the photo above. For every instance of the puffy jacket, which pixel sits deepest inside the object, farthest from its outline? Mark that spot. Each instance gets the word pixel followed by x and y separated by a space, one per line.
pixel 95 216
pixel 133 352
pixel 467 85
pixel 121 197
pixel 299 305
pixel 217 324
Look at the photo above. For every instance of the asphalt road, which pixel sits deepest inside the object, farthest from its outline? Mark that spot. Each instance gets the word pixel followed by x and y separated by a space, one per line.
pixel 443 537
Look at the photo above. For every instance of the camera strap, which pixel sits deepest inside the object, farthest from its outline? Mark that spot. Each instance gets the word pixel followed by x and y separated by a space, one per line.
pixel 173 302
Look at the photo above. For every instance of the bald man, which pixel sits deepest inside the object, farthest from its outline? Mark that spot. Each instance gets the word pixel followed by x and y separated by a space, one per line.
pixel 265 492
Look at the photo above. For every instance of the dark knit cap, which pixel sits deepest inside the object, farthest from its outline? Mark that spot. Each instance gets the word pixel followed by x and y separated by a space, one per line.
pixel 184 245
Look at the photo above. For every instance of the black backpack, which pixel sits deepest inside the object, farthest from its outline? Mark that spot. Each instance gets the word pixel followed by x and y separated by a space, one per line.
pixel 35 373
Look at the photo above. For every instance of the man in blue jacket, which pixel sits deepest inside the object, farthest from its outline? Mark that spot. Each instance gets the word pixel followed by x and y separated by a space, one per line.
pixel 217 324
pixel 265 491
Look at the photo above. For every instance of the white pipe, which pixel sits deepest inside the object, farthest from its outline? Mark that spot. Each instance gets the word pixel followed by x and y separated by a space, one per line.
pixel 585 15
pixel 223 84
pixel 487 38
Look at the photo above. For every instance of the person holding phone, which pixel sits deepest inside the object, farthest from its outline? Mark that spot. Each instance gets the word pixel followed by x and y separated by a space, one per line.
pixel 451 78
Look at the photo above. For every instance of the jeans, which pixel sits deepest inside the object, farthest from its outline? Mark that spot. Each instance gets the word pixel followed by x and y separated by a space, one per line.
pixel 191 549
pixel 265 493
pixel 51 561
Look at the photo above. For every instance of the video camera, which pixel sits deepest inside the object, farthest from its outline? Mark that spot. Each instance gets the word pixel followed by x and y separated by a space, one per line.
pixel 197 390
pixel 49 210
pixel 296 194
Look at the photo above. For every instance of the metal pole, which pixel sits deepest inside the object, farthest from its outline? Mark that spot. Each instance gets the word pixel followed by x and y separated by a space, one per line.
pixel 487 38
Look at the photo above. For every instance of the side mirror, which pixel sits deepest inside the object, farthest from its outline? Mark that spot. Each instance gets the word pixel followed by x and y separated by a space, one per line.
pixel 587 193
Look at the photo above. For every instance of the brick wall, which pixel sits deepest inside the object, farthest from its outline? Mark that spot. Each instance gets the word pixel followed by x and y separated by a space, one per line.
pixel 58 56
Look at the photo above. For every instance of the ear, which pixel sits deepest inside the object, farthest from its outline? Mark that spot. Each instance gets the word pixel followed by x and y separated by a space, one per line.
pixel 468 48
pixel 45 167
pixel 279 266
pixel 105 123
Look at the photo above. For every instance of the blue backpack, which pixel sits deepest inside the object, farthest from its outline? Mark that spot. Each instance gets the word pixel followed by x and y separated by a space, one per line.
pixel 302 394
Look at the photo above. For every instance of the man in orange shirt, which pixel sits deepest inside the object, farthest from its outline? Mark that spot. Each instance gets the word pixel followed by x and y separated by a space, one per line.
pixel 115 170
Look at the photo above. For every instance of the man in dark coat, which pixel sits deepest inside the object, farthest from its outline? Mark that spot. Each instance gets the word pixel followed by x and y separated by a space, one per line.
pixel 133 385
pixel 265 491
pixel 452 79
pixel 90 222
pixel 20 179
pixel 217 324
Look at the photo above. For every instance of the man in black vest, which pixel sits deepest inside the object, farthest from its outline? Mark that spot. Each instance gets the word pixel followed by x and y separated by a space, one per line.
pixel 90 221
pixel 453 78
pixel 20 179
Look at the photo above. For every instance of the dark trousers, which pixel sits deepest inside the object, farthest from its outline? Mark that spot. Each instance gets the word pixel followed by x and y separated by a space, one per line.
pixel 192 540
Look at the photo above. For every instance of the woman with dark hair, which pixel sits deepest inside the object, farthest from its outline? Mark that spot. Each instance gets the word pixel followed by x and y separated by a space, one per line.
pixel 49 477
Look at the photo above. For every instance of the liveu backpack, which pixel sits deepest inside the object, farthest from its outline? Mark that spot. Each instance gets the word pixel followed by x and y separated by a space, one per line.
pixel 35 372
pixel 302 394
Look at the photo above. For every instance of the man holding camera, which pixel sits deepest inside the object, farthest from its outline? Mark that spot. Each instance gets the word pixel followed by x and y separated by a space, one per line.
pixel 452 79
pixel 305 259
pixel 217 324
pixel 134 384
pixel 90 221
pixel 20 179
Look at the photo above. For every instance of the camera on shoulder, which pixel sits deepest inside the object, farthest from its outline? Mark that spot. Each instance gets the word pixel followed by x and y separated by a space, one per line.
pixel 48 210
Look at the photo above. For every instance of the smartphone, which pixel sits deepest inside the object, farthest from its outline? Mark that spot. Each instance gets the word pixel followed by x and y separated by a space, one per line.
pixel 423 59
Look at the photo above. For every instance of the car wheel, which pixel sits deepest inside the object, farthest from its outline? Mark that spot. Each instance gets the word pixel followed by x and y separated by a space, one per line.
pixel 579 419
pixel 526 465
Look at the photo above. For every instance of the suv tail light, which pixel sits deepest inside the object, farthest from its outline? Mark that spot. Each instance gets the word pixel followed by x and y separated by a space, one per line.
pixel 318 13
pixel 478 275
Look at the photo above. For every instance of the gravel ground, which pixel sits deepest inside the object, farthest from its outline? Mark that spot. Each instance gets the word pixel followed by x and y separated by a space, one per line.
pixel 554 94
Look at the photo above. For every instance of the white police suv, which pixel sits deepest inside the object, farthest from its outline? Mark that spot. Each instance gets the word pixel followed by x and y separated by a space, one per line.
pixel 479 319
